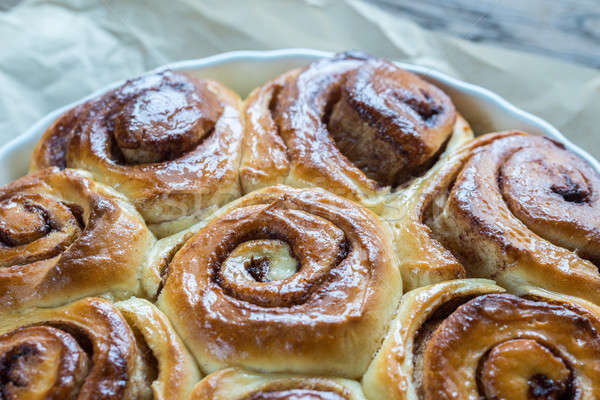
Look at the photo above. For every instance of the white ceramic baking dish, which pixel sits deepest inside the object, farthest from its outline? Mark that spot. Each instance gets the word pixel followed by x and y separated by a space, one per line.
pixel 245 70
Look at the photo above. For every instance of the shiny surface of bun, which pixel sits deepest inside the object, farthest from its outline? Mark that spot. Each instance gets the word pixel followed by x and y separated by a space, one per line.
pixel 87 350
pixel 423 259
pixel 237 384
pixel 466 339
pixel 284 279
pixel 353 124
pixel 170 142
pixel 63 236
pixel 290 225
pixel 522 210
pixel 175 371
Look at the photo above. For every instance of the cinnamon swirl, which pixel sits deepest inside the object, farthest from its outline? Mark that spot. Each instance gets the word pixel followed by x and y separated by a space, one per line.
pixel 466 339
pixel 63 236
pixel 170 142
pixel 353 124
pixel 522 210
pixel 235 384
pixel 86 350
pixel 283 279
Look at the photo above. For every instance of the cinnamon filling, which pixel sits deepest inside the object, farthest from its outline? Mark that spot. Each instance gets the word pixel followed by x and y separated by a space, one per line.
pixel 524 367
pixel 259 268
pixel 22 222
pixel 543 388
pixel 571 191
pixel 387 122
pixel 422 103
pixel 499 346
pixel 35 227
pixel 41 360
pixel 160 118
pixel 267 249
pixel 383 129
pixel 512 182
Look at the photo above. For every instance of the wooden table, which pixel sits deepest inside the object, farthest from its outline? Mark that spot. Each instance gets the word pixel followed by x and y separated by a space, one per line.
pixel 567 29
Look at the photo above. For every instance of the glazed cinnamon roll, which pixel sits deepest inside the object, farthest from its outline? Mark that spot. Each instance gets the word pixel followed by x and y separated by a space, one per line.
pixel 87 350
pixel 423 259
pixel 174 371
pixel 283 279
pixel 466 339
pixel 235 384
pixel 170 142
pixel 63 237
pixel 522 210
pixel 352 124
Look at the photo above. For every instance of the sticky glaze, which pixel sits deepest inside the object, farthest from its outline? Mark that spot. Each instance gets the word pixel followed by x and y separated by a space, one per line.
pixel 83 351
pixel 171 143
pixel 57 230
pixel 92 349
pixel 465 339
pixel 27 355
pixel 530 345
pixel 523 210
pixel 352 124
pixel 327 317
pixel 167 362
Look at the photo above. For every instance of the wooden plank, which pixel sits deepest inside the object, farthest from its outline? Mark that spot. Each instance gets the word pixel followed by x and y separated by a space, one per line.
pixel 569 29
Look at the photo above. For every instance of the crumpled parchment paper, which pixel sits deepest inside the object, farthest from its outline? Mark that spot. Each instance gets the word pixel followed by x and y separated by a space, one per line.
pixel 55 52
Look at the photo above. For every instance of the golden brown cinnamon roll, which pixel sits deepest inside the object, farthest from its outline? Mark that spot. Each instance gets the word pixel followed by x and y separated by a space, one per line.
pixel 235 384
pixel 87 350
pixel 465 339
pixel 174 372
pixel 522 210
pixel 63 236
pixel 352 124
pixel 170 142
pixel 283 279
pixel 423 259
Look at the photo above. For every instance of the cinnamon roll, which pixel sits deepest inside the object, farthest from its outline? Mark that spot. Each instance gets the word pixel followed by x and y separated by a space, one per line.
pixel 170 142
pixel 466 339
pixel 283 279
pixel 63 236
pixel 353 124
pixel 235 384
pixel 87 350
pixel 174 371
pixel 423 259
pixel 522 210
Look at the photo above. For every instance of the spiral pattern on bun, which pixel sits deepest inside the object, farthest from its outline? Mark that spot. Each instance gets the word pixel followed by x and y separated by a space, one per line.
pixel 62 236
pixel 352 124
pixel 522 210
pixel 86 350
pixel 174 371
pixel 170 142
pixel 236 384
pixel 284 279
pixel 467 339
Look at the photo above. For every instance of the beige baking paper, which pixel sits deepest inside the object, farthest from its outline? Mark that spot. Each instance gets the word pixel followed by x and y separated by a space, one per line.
pixel 52 53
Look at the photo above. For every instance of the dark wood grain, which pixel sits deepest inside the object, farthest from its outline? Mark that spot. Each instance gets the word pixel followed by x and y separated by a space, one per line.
pixel 6 5
pixel 568 29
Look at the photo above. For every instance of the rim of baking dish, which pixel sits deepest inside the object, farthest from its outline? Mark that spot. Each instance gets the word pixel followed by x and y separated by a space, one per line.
pixel 474 91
